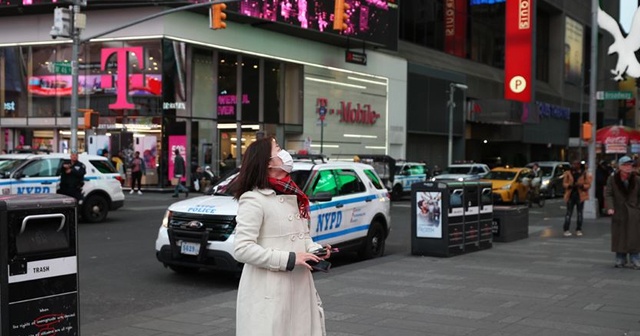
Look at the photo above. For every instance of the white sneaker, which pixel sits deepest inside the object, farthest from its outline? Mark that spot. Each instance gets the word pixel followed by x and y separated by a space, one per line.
pixel 567 234
pixel 139 192
pixel 131 192
pixel 579 233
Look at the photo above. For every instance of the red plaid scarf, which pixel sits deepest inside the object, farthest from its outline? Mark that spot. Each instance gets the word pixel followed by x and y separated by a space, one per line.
pixel 287 186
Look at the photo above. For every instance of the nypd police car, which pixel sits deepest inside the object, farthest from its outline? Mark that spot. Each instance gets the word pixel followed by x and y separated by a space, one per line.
pixel 40 174
pixel 406 174
pixel 349 208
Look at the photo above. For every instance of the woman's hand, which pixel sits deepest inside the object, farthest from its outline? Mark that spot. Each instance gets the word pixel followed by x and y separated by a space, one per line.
pixel 303 257
pixel 328 248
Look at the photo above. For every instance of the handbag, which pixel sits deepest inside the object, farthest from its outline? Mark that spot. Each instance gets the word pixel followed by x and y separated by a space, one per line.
pixel 175 181
pixel 196 185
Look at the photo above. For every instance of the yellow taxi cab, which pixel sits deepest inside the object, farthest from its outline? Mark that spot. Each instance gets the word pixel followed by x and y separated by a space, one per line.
pixel 508 185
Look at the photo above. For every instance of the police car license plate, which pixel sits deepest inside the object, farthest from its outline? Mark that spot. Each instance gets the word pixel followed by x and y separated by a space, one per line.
pixel 190 248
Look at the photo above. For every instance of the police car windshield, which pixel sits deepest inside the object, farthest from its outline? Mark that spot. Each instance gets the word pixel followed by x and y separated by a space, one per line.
pixel 225 186
pixel 459 170
pixel 9 165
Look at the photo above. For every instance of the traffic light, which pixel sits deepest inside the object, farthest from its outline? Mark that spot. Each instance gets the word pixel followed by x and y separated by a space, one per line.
pixel 586 131
pixel 91 118
pixel 340 15
pixel 217 16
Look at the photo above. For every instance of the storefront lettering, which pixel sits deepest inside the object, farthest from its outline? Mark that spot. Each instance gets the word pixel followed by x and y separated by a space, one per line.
pixel 358 114
pixel 227 103
pixel 524 15
pixel 450 18
pixel 546 110
pixel 174 106
pixel 122 78
pixel 10 106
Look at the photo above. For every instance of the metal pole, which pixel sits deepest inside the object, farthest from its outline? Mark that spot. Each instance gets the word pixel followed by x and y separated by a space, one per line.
pixel 451 106
pixel 321 135
pixel 590 205
pixel 75 75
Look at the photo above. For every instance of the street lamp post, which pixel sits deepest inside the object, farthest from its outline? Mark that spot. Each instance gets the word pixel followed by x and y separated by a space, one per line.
pixel 452 105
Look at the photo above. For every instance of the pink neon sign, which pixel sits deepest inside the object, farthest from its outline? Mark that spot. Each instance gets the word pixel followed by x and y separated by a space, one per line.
pixel 122 82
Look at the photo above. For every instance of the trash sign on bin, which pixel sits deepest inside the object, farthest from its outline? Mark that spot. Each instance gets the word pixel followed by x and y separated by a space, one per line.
pixel 38 266
pixel 428 222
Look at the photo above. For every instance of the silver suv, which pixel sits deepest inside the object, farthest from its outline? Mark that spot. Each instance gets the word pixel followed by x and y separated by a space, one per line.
pixel 463 172
pixel 552 172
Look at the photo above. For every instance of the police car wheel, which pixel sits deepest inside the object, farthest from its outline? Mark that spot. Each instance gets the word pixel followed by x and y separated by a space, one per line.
pixel 184 269
pixel 373 246
pixel 95 209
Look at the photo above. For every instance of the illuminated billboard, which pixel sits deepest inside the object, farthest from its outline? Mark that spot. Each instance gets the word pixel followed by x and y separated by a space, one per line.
pixel 374 21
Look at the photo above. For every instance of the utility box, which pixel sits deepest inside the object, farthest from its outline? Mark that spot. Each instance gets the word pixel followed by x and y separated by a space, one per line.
pixel 448 218
pixel 510 223
pixel 38 265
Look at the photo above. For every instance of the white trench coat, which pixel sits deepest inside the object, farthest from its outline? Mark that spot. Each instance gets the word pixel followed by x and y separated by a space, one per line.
pixel 271 300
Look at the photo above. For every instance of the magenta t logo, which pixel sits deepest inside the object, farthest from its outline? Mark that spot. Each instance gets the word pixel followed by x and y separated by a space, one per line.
pixel 122 80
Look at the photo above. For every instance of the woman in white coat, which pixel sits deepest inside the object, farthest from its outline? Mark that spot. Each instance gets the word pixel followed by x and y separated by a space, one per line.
pixel 276 295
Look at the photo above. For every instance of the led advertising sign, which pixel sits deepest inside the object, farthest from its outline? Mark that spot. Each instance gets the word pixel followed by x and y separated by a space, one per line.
pixel 374 21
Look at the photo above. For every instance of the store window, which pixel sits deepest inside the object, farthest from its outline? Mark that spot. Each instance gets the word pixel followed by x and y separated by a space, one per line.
pixel 250 89
pixel 272 91
pixel 227 86
pixel 13 95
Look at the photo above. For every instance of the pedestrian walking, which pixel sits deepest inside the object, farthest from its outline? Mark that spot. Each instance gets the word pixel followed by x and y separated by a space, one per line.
pixel 119 165
pixel 276 294
pixel 576 183
pixel 72 178
pixel 621 195
pixel 137 170
pixel 179 170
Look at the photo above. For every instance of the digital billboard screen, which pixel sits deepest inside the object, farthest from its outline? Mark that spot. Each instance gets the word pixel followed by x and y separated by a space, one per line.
pixel 374 21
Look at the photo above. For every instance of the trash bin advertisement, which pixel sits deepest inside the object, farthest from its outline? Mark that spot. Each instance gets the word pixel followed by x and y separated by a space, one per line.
pixel 428 219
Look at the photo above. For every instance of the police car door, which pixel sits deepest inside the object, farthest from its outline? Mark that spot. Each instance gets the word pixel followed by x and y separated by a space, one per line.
pixel 332 222
pixel 36 177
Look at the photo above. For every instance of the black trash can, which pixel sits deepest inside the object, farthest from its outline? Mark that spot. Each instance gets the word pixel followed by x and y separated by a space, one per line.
pixel 510 223
pixel 485 221
pixel 38 265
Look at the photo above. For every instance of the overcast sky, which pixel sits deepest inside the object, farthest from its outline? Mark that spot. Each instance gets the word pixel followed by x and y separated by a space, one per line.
pixel 627 9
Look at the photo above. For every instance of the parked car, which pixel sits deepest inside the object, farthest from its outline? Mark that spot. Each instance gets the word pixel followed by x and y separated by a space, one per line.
pixel 40 174
pixel 552 172
pixel 407 173
pixel 463 172
pixel 508 185
pixel 349 210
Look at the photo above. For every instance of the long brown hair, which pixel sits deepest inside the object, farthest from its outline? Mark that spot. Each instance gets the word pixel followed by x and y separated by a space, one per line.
pixel 255 166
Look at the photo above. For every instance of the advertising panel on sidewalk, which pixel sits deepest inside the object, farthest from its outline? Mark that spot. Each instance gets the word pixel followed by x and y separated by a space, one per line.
pixel 428 223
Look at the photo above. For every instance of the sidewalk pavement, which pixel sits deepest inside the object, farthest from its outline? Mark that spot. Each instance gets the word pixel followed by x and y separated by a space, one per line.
pixel 544 285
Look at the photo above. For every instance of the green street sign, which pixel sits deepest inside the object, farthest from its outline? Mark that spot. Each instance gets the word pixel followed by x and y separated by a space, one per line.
pixel 61 68
pixel 614 95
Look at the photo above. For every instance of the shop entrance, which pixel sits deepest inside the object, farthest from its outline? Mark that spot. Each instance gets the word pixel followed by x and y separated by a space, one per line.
pixel 228 147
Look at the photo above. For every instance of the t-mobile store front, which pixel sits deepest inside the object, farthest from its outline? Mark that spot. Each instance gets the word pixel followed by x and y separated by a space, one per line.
pixel 207 93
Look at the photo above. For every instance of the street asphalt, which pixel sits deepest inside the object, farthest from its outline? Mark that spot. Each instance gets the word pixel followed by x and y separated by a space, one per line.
pixel 546 284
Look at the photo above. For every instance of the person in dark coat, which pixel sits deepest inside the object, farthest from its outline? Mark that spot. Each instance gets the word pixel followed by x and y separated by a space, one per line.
pixel 576 183
pixel 621 196
pixel 179 170
pixel 72 178
pixel 602 174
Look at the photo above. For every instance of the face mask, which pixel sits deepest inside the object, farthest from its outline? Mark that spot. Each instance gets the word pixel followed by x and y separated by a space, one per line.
pixel 287 161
